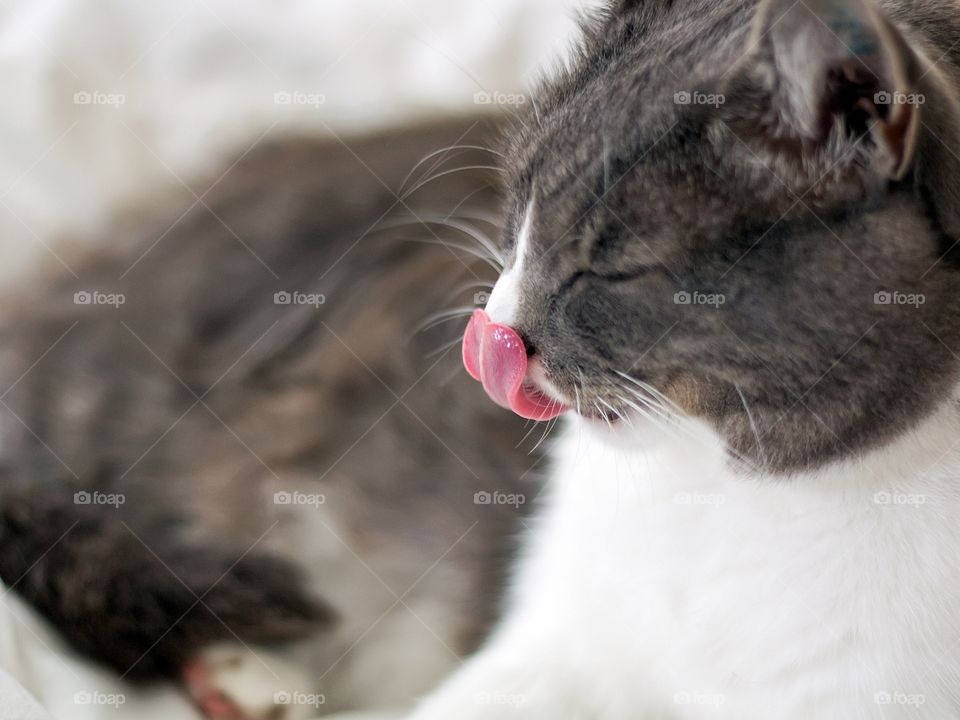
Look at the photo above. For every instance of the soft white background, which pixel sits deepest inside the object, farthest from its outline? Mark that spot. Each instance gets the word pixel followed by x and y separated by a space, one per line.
pixel 198 80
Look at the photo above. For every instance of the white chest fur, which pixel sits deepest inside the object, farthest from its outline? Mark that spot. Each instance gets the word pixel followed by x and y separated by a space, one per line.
pixel 661 580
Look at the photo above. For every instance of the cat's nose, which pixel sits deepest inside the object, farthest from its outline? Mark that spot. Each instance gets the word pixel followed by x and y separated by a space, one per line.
pixel 495 355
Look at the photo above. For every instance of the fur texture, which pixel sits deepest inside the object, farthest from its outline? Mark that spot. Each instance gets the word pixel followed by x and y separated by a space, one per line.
pixel 737 262
pixel 726 257
pixel 264 419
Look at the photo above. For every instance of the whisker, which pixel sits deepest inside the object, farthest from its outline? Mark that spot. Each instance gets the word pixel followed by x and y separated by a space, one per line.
pixel 543 435
pixel 673 417
pixel 602 414
pixel 445 173
pixel 443 316
pixel 652 390
pixel 460 289
pixel 551 424
pixel 443 348
pixel 465 248
pixel 492 252
pixel 616 413
pixel 441 151
pixel 434 166
pixel 533 426
pixel 655 407
pixel 661 416
pixel 470 231
pixel 476 214
pixel 477 283
pixel 657 420
pixel 753 425
pixel 452 213
pixel 536 109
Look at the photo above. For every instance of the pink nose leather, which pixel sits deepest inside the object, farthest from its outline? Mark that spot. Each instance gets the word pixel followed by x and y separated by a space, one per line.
pixel 495 355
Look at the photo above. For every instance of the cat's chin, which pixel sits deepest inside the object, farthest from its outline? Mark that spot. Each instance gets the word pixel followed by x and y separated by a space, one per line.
pixel 632 432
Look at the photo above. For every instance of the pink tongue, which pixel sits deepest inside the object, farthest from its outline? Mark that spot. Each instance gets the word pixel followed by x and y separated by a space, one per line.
pixel 494 354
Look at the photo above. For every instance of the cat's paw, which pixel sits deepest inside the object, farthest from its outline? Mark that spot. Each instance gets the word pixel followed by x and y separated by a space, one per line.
pixel 233 682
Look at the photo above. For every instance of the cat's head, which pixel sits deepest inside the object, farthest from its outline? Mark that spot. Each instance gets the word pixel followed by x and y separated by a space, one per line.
pixel 743 212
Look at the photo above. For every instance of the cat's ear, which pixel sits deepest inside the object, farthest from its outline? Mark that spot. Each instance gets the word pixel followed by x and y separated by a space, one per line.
pixel 821 70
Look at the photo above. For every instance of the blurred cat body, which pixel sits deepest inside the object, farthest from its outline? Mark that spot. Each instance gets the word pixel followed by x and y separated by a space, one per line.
pixel 228 430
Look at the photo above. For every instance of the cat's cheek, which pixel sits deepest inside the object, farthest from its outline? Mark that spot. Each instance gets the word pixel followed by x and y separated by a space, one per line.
pixel 695 396
pixel 593 320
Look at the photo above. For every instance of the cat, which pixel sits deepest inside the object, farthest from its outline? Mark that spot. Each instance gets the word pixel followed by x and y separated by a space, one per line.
pixel 732 270
pixel 731 247
pixel 230 455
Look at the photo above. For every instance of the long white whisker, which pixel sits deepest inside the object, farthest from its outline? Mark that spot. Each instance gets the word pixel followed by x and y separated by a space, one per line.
pixel 465 248
pixel 546 431
pixel 652 390
pixel 659 421
pixel 491 250
pixel 533 426
pixel 472 232
pixel 422 183
pixel 536 109
pixel 457 291
pixel 441 151
pixel 454 213
pixel 443 348
pixel 616 413
pixel 445 316
pixel 477 214
pixel 661 416
pixel 434 166
pixel 658 410
pixel 675 419
pixel 753 425
pixel 602 414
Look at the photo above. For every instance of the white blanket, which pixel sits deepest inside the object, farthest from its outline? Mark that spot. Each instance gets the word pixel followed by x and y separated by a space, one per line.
pixel 105 100
pixel 41 673
pixel 43 679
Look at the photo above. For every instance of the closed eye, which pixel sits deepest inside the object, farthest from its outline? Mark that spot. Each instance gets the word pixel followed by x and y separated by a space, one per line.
pixel 619 276
pixel 625 275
